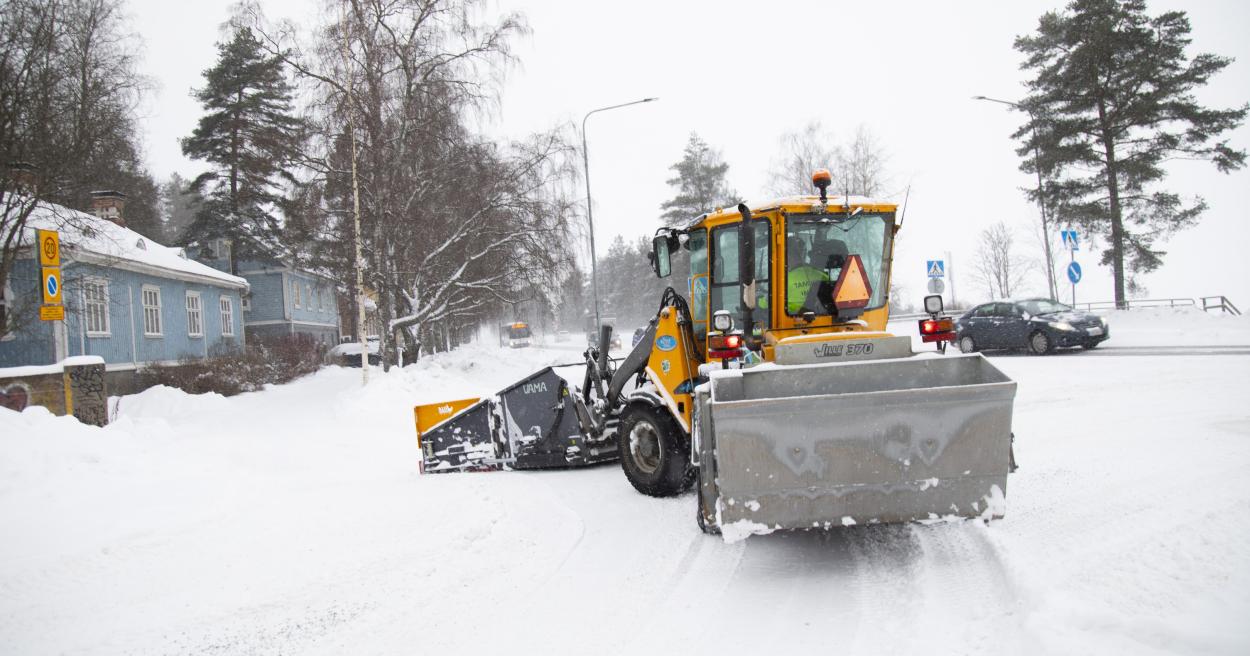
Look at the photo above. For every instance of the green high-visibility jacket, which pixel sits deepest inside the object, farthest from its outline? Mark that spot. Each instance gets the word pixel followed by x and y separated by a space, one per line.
pixel 799 282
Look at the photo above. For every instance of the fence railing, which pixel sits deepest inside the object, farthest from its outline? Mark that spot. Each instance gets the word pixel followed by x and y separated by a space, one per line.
pixel 1207 303
pixel 1132 303
pixel 1219 303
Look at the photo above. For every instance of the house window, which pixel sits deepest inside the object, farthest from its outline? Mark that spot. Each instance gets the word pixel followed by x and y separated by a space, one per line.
pixel 246 303
pixel 195 319
pixel 152 311
pixel 96 297
pixel 227 317
pixel 295 292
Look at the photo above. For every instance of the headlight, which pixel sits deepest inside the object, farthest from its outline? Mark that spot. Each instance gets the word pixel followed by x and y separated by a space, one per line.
pixel 1060 325
pixel 722 321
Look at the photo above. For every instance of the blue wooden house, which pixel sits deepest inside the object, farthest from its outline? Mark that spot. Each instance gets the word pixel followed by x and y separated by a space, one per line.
pixel 284 300
pixel 128 299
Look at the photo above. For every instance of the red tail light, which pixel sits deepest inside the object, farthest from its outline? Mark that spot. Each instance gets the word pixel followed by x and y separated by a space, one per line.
pixel 725 347
pixel 937 330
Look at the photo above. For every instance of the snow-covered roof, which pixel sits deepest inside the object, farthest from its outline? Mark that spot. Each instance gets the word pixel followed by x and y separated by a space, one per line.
pixel 87 238
pixel 833 204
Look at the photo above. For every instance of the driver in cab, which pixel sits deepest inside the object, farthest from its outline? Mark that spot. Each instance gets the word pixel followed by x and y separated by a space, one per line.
pixel 802 279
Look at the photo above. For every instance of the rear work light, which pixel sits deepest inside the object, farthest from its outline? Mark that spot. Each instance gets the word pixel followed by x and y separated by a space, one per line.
pixel 937 330
pixel 725 347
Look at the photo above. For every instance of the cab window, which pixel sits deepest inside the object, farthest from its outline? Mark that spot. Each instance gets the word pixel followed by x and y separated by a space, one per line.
pixel 726 291
pixel 818 247
pixel 697 243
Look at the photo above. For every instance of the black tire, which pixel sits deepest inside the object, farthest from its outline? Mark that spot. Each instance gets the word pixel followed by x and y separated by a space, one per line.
pixel 1040 343
pixel 966 345
pixel 1089 346
pixel 654 452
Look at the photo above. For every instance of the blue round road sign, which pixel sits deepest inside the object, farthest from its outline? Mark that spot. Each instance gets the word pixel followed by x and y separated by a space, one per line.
pixel 51 283
pixel 1074 272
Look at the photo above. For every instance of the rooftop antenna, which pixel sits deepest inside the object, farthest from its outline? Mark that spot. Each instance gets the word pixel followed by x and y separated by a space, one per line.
pixel 903 215
pixel 846 195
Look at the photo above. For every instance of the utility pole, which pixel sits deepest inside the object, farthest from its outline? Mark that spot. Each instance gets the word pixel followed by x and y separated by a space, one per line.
pixel 1053 286
pixel 950 273
pixel 590 219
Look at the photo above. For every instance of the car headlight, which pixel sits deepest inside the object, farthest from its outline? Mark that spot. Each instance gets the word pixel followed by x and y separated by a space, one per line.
pixel 1060 325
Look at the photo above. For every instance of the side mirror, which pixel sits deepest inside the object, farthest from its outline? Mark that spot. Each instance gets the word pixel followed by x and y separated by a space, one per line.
pixel 661 257
pixel 746 257
pixel 933 304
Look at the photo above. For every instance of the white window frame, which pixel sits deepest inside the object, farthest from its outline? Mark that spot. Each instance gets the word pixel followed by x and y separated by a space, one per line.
pixel 226 306
pixel 246 303
pixel 295 291
pixel 152 311
pixel 6 293
pixel 96 306
pixel 195 316
pixel 321 299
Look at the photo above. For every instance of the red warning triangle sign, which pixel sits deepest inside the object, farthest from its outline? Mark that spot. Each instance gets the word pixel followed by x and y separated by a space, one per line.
pixel 853 290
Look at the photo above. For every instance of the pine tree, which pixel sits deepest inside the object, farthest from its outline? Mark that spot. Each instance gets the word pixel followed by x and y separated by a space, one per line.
pixel 700 183
pixel 1111 101
pixel 251 139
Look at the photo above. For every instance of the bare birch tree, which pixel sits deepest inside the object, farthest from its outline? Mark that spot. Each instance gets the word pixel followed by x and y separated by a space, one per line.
pixel 997 266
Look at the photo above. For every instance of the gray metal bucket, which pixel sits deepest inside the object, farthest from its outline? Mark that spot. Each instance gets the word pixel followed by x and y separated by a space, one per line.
pixel 784 447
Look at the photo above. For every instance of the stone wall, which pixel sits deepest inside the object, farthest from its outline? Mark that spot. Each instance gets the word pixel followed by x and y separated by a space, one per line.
pixel 76 386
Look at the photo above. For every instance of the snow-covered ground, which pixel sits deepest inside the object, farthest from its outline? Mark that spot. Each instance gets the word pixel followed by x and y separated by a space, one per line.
pixel 293 521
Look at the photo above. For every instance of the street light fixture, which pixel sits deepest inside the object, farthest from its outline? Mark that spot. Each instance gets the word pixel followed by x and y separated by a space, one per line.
pixel 1041 201
pixel 590 219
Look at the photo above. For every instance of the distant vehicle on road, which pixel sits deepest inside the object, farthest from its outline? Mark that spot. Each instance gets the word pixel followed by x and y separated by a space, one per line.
pixel 1037 324
pixel 592 335
pixel 515 335
pixel 563 336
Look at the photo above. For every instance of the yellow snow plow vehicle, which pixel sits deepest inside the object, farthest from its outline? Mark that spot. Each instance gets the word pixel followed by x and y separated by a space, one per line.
pixel 775 388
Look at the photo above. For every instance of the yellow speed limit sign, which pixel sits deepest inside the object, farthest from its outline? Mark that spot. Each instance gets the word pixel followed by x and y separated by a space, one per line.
pixel 49 248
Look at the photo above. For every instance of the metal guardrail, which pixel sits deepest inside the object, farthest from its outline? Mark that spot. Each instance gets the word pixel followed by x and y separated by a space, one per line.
pixel 1208 303
pixel 1223 304
pixel 1133 303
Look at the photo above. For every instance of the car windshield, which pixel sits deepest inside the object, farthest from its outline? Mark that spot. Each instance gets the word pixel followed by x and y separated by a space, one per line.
pixel 1040 306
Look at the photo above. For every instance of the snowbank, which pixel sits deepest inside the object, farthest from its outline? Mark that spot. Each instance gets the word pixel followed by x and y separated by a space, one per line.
pixel 293 520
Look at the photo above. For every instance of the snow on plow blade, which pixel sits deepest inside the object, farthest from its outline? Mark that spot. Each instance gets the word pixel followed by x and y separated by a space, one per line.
pixel 804 446
pixel 530 424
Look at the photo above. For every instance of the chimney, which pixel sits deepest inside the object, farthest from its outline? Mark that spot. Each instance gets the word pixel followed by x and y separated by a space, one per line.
pixel 22 175
pixel 108 205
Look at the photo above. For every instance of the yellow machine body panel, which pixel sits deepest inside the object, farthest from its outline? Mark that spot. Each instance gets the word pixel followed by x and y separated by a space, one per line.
pixel 432 414
pixel 671 366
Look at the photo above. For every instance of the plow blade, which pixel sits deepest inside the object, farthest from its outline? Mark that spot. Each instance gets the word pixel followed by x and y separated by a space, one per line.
pixel 824 445
pixel 531 424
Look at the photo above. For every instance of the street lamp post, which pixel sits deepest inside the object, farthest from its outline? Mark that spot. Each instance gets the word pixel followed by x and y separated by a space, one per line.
pixel 1041 200
pixel 590 219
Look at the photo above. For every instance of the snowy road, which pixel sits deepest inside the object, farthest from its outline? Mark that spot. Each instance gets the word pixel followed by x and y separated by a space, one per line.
pixel 292 521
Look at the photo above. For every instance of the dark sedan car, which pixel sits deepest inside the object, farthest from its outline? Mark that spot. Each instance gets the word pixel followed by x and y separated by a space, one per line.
pixel 1040 325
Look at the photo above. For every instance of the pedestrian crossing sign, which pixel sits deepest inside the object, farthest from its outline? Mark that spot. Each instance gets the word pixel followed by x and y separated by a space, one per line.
pixel 1069 239
pixel 936 268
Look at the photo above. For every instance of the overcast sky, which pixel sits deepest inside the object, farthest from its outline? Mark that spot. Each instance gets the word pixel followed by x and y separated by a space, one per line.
pixel 741 73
